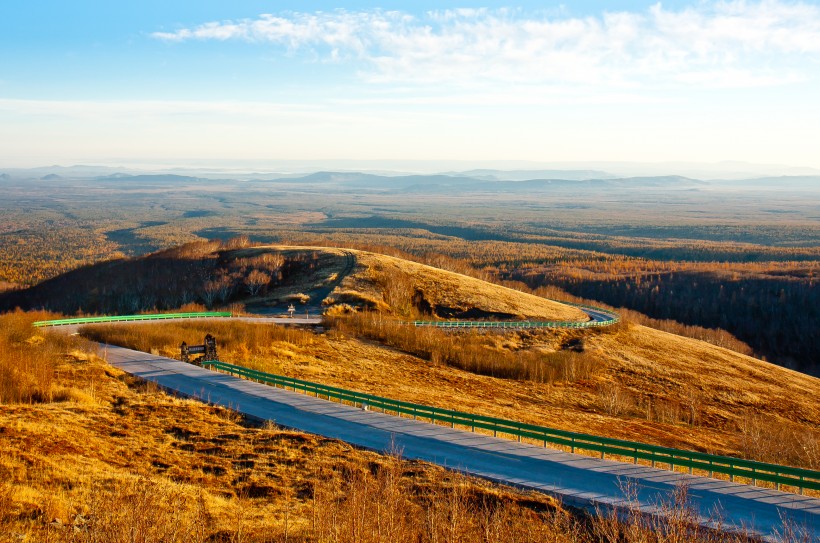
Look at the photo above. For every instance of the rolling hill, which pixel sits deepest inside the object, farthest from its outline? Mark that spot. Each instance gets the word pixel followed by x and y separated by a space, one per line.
pixel 317 277
pixel 627 381
pixel 82 416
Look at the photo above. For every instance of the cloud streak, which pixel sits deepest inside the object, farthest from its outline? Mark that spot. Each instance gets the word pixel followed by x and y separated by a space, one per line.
pixel 736 43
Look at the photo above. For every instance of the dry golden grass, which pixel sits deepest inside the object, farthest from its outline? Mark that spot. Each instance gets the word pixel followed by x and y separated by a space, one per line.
pixel 649 386
pixel 567 363
pixel 28 372
pixel 398 281
pixel 404 288
pixel 113 459
pixel 117 461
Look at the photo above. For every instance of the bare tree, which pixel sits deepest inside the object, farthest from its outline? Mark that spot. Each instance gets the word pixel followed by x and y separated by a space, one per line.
pixel 224 286
pixel 692 399
pixel 209 292
pixel 255 281
pixel 613 399
pixel 269 262
pixel 238 242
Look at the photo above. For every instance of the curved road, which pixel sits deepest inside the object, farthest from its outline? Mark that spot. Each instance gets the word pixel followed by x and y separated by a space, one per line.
pixel 597 315
pixel 577 480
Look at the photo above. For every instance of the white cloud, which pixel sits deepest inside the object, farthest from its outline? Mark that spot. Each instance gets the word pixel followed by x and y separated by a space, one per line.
pixel 708 44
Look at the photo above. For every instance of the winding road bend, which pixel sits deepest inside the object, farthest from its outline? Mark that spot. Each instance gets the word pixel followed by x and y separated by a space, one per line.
pixel 576 480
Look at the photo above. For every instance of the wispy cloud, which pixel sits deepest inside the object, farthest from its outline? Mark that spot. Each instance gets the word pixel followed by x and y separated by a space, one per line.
pixel 736 43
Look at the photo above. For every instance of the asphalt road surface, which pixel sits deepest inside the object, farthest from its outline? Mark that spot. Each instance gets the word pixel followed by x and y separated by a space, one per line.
pixel 577 480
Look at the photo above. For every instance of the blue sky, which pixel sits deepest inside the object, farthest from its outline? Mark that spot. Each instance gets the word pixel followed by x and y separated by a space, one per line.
pixel 120 82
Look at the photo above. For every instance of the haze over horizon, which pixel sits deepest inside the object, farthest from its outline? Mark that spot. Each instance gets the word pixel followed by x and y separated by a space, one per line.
pixel 685 84
pixel 228 169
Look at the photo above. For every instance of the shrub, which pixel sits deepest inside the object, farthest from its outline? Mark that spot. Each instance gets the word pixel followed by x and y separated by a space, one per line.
pixel 466 350
pixel 29 356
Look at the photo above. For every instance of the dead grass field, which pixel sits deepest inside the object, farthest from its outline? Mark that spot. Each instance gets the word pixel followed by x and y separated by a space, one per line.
pixel 113 460
pixel 650 386
pixel 402 287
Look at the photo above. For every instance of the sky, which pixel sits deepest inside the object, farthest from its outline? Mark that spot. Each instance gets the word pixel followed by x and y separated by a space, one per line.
pixel 130 82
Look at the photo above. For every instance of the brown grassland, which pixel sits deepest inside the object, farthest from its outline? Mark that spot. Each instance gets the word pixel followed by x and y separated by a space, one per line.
pixel 388 279
pixel 403 287
pixel 404 282
pixel 89 454
pixel 629 382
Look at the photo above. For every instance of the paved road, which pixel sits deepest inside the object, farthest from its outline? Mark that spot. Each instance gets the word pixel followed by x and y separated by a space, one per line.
pixel 577 480
pixel 595 315
pixel 301 321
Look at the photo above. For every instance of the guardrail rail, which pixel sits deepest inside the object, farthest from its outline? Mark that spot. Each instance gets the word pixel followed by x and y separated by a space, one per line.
pixel 613 319
pixel 658 456
pixel 121 318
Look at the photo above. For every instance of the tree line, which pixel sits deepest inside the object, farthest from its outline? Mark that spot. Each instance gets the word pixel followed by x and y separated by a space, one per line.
pixel 202 272
pixel 777 316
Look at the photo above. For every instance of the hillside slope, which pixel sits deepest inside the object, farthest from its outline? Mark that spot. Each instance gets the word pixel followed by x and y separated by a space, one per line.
pixel 389 284
pixel 89 454
pixel 268 279
pixel 628 382
pixel 625 381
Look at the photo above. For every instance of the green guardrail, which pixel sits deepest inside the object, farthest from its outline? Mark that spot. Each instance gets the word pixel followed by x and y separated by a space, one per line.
pixel 121 318
pixel 613 319
pixel 658 456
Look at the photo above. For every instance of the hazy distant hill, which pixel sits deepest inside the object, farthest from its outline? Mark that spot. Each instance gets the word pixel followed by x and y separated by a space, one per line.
pixel 73 172
pixel 168 178
pixel 526 175
pixel 479 180
pixel 441 183
pixel 790 182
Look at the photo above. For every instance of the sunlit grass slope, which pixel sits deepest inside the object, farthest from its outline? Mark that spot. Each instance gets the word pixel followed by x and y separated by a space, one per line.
pixel 408 289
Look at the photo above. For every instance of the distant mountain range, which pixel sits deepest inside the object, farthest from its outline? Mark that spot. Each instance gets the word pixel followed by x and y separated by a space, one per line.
pixel 526 175
pixel 459 183
pixel 468 181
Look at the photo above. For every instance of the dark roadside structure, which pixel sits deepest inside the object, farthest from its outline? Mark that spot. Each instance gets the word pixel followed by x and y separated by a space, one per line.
pixel 207 350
